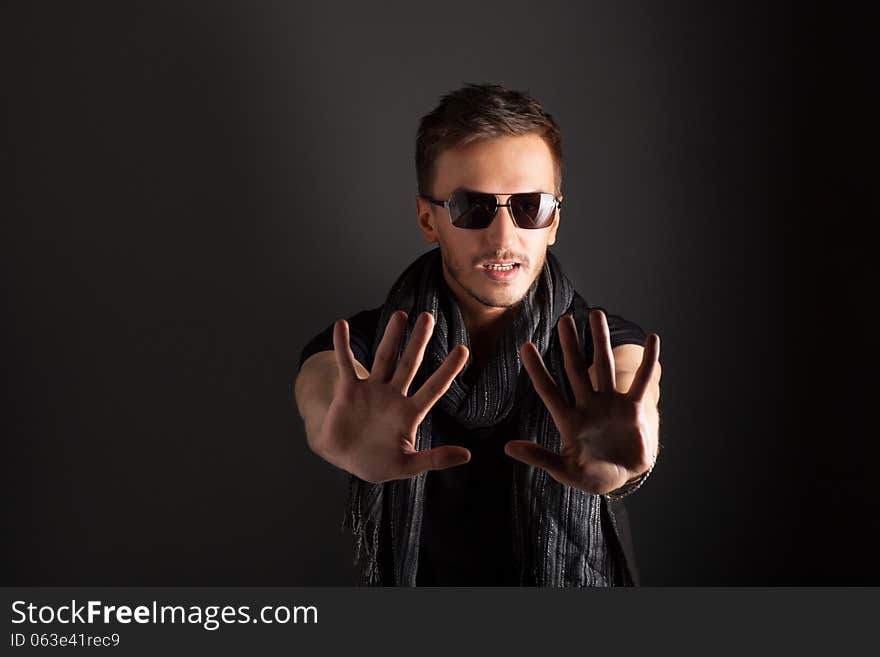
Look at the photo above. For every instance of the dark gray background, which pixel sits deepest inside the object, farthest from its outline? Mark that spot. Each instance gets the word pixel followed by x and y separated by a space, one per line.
pixel 195 190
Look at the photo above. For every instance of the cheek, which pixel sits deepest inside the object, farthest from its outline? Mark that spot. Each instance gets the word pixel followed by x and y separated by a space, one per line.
pixel 536 245
pixel 458 246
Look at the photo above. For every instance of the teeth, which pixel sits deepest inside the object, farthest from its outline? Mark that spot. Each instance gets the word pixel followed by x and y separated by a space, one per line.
pixel 500 267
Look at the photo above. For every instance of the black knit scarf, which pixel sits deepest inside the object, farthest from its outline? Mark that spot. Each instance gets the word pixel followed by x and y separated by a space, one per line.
pixel 561 535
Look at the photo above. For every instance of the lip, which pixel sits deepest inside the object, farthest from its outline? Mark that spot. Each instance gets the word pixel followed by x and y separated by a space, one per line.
pixel 500 276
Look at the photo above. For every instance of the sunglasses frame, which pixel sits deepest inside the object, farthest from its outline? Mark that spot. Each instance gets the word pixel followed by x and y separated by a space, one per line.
pixel 446 204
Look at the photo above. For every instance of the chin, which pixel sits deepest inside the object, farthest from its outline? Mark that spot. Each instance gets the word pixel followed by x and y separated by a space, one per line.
pixel 497 298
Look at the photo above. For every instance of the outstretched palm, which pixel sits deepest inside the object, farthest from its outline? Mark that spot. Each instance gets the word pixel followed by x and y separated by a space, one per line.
pixel 604 433
pixel 370 426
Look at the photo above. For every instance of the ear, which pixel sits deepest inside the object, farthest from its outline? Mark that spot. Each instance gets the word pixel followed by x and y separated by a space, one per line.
pixel 425 218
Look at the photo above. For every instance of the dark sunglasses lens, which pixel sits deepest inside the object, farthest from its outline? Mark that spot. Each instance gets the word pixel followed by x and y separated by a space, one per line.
pixel 471 209
pixel 532 210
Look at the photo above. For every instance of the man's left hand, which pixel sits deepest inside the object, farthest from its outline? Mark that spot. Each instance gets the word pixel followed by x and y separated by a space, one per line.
pixel 607 436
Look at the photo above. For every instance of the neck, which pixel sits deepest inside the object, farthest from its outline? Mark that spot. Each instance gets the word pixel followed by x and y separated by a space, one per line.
pixel 484 324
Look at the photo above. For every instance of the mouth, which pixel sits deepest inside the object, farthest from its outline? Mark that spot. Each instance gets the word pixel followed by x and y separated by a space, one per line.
pixel 500 270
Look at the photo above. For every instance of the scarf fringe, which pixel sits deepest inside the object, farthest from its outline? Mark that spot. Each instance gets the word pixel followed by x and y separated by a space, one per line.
pixel 365 526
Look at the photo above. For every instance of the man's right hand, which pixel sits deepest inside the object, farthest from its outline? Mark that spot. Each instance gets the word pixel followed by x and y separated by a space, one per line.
pixel 370 426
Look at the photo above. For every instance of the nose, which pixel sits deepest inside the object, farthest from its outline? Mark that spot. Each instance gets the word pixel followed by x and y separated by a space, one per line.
pixel 502 232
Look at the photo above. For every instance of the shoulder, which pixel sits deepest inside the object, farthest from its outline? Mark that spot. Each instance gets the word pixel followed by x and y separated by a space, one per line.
pixel 366 319
pixel 622 330
pixel 362 329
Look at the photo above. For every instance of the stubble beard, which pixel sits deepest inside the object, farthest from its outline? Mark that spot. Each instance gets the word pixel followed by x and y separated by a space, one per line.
pixel 458 275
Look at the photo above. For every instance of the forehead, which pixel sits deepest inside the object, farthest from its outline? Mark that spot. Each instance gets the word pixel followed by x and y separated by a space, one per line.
pixel 506 165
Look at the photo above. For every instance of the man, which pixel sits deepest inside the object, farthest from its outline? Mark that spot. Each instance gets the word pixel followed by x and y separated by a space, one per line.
pixel 467 469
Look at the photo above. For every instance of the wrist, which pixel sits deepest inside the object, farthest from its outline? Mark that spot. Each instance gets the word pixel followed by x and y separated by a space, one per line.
pixel 633 484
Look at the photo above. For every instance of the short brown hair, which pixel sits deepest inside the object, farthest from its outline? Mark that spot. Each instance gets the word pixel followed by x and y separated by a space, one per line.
pixel 481 111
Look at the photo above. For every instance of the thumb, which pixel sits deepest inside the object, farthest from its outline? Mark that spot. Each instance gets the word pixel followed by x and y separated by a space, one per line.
pixel 533 454
pixel 436 458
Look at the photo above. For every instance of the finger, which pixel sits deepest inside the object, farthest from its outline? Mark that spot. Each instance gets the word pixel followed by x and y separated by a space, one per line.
pixel 540 457
pixel 575 361
pixel 603 358
pixel 645 373
pixel 386 353
pixel 436 458
pixel 414 352
pixel 543 382
pixel 342 349
pixel 438 383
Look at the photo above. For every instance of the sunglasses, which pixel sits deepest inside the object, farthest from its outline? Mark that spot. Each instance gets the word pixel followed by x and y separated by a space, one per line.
pixel 469 209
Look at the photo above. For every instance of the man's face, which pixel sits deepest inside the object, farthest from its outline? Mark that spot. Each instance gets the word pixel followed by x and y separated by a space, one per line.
pixel 502 166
